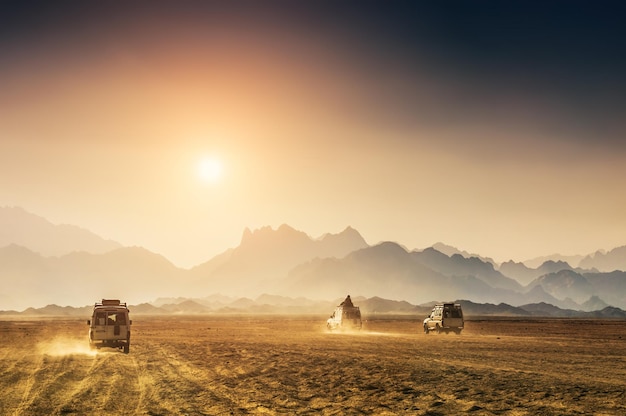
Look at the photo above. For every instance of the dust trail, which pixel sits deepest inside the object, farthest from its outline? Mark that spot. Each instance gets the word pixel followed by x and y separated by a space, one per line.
pixel 381 334
pixel 65 346
pixel 362 333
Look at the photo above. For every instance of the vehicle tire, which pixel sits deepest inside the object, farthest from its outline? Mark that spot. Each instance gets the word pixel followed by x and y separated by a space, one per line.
pixel 127 348
pixel 426 329
pixel 438 329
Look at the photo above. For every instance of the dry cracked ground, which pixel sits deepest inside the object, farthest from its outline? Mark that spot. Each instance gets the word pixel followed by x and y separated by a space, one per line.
pixel 212 365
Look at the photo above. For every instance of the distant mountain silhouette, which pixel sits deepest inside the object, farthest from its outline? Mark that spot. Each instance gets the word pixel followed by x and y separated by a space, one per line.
pixel 537 294
pixel 519 271
pixel 546 309
pixel 266 299
pixel 265 256
pixel 457 265
pixel 378 305
pixel 606 262
pixel 551 266
pixel 127 273
pixel 600 287
pixel 610 287
pixel 147 309
pixel 388 270
pixel 601 260
pixel 488 309
pixel 525 275
pixel 22 228
pixel 450 251
pixel 594 303
pixel 385 270
pixel 187 306
pixel 573 260
pixel 286 264
pixel 55 310
pixel 565 283
pixel 370 308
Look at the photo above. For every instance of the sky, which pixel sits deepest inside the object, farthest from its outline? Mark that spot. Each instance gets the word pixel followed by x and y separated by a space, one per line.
pixel 495 127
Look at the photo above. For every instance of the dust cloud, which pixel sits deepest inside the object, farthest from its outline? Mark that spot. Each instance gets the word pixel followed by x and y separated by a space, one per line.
pixel 360 333
pixel 57 347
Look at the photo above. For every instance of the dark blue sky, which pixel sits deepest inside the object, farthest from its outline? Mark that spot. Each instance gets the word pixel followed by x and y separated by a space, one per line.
pixel 568 54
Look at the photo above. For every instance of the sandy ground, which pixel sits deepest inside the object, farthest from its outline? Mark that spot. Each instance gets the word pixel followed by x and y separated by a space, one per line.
pixel 277 365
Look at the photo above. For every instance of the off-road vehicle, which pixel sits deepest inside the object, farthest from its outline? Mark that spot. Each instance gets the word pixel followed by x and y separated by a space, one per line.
pixel 445 317
pixel 346 316
pixel 109 325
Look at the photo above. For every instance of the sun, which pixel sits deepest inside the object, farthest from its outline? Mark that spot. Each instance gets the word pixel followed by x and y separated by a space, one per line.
pixel 210 170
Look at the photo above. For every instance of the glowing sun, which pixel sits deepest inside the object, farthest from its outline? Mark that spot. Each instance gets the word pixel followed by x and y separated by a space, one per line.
pixel 210 170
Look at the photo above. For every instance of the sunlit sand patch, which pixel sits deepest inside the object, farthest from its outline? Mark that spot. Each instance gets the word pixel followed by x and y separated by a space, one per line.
pixel 66 346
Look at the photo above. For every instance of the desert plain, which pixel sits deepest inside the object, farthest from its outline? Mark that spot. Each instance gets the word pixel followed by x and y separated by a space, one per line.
pixel 274 365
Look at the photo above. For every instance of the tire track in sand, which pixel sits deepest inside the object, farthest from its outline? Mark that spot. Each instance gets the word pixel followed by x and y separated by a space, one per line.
pixel 172 385
pixel 110 385
pixel 78 384
pixel 27 384
pixel 47 383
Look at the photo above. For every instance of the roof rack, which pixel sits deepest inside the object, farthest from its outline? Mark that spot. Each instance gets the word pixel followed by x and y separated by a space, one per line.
pixel 110 302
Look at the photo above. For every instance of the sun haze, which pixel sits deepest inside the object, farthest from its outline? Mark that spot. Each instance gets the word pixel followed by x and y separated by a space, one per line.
pixel 210 169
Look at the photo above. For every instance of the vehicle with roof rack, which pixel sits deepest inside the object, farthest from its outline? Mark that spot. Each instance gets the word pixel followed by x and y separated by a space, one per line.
pixel 445 317
pixel 345 316
pixel 109 325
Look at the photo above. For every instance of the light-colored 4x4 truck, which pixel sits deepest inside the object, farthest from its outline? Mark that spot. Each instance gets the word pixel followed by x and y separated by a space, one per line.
pixel 109 325
pixel 346 316
pixel 445 317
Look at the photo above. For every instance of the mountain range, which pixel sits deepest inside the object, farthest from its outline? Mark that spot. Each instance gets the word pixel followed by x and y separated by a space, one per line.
pixel 374 307
pixel 70 266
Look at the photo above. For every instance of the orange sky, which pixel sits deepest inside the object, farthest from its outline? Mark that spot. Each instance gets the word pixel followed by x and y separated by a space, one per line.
pixel 318 124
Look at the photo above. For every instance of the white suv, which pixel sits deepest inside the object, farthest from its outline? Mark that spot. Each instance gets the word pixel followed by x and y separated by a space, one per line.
pixel 109 325
pixel 445 317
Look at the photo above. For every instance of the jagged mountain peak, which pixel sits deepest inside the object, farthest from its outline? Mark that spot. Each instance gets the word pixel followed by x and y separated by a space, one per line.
pixel 266 255
pixel 348 236
pixel 266 234
pixel 288 231
pixel 551 266
pixel 614 259
pixel 347 232
pixel 513 263
pixel 556 263
pixel 450 251
pixel 565 284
